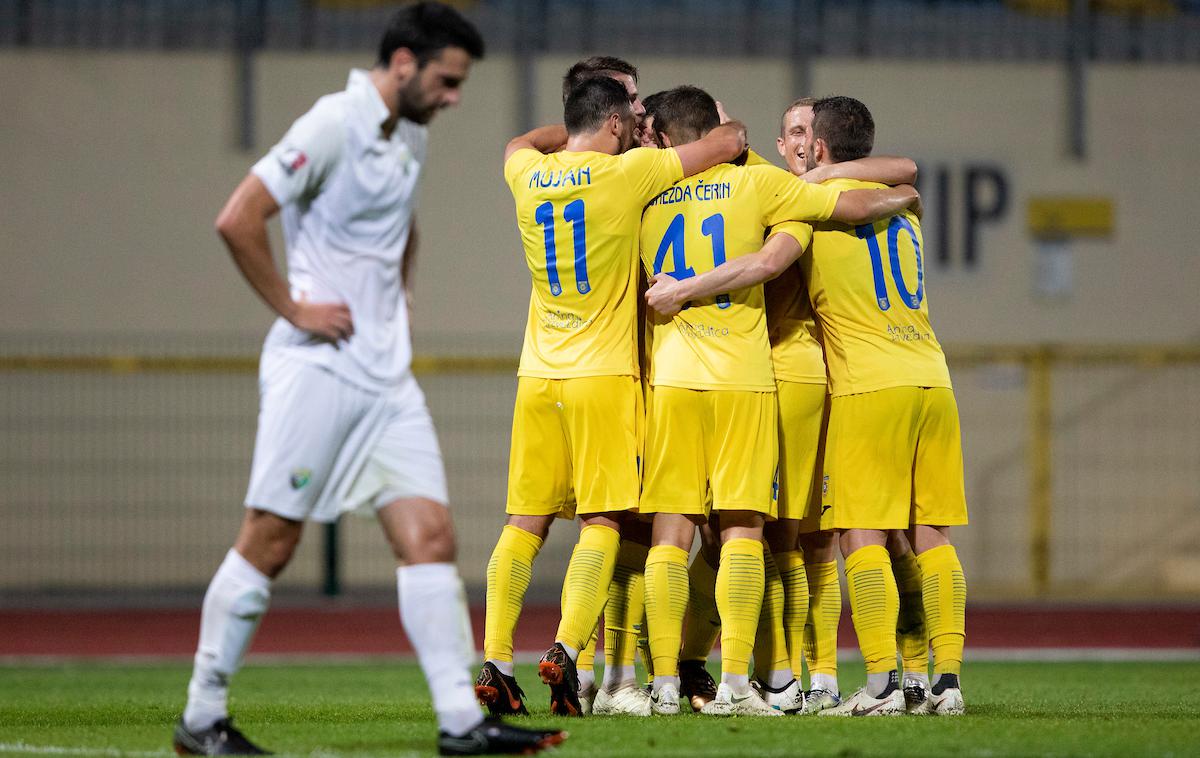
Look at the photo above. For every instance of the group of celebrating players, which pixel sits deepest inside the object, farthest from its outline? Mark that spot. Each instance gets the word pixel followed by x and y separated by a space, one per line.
pixel 782 393
pixel 708 409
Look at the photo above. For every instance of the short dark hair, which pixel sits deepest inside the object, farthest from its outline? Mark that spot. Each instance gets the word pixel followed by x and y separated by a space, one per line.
pixel 684 113
pixel 846 126
pixel 597 65
pixel 799 102
pixel 426 29
pixel 593 101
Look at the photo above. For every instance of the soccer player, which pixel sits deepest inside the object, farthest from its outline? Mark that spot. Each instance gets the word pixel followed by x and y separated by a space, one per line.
pixel 342 422
pixel 893 450
pixel 811 614
pixel 575 440
pixel 711 424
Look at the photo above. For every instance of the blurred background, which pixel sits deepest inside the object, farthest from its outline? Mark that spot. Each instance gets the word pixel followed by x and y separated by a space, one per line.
pixel 1057 146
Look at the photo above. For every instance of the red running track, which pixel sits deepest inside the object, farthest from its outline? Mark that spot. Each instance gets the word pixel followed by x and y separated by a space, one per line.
pixel 376 631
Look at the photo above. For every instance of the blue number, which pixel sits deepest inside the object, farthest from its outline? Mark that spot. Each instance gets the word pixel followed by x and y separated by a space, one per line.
pixel 714 226
pixel 895 224
pixel 574 213
pixel 673 238
pixel 544 215
pixel 867 232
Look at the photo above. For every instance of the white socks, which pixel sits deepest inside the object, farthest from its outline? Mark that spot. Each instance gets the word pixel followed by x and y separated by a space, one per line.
pixel 433 610
pixel 777 679
pixel 236 599
pixel 617 676
pixel 827 682
pixel 739 683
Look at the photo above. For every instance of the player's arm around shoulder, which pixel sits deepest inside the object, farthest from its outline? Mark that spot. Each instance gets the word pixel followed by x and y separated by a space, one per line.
pixel 667 295
pixel 863 206
pixel 721 145
pixel 544 140
pixel 884 169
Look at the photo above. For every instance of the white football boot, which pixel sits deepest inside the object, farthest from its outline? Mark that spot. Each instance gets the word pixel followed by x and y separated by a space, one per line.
pixel 728 704
pixel 665 702
pixel 788 700
pixel 916 696
pixel 818 700
pixel 626 701
pixel 949 702
pixel 862 704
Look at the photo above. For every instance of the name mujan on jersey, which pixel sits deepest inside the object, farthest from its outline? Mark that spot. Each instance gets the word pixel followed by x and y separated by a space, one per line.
pixel 563 177
pixel 701 190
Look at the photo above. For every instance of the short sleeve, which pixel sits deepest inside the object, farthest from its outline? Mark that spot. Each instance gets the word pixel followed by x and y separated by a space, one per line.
pixel 299 164
pixel 651 170
pixel 517 163
pixel 783 197
pixel 799 231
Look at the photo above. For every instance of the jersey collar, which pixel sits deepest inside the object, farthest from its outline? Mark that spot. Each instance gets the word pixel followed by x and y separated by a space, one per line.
pixel 372 108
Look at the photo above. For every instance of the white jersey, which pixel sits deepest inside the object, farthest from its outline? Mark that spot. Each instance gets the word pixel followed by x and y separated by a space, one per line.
pixel 348 195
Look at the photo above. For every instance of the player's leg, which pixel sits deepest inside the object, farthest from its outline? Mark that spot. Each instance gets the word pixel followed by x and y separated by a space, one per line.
pixel 666 603
pixel 821 625
pixel 870 449
pixel 538 488
pixel 674 492
pixel 601 421
pixel 406 471
pixel 910 624
pixel 743 448
pixel 701 623
pixel 784 603
pixel 624 616
pixel 939 502
pixel 294 453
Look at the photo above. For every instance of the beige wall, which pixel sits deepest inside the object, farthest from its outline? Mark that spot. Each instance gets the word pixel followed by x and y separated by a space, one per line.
pixel 118 162
pixel 116 165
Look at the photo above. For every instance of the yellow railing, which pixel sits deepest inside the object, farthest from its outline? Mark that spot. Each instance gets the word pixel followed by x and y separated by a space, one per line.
pixel 1038 363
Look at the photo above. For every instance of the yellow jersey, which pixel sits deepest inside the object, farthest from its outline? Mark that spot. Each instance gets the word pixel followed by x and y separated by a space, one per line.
pixel 796 352
pixel 698 224
pixel 578 215
pixel 867 285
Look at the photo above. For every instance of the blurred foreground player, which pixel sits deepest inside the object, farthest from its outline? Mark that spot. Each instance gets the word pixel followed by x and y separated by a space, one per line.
pixel 342 422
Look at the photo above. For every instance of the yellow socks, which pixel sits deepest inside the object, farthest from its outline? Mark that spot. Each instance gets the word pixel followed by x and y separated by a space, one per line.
pixel 702 624
pixel 770 642
pixel 739 600
pixel 626 607
pixel 910 624
pixel 824 613
pixel 666 603
pixel 874 604
pixel 794 579
pixel 508 575
pixel 945 591
pixel 585 588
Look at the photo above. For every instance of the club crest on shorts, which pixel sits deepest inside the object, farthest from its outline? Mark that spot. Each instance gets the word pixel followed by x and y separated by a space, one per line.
pixel 300 477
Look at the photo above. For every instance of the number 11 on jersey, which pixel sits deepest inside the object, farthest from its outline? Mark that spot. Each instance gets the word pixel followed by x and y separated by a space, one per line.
pixel 572 213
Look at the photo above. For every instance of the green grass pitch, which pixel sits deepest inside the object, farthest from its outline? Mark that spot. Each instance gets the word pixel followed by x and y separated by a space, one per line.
pixel 381 709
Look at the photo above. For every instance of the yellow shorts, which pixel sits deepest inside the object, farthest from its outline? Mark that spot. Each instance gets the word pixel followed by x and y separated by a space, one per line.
pixel 725 440
pixel 575 446
pixel 803 418
pixel 893 458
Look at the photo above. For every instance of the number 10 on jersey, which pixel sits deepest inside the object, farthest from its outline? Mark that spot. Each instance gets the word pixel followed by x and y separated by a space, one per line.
pixel 573 214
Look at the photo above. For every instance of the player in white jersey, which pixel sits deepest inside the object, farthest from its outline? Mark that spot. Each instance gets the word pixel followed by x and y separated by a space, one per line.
pixel 342 422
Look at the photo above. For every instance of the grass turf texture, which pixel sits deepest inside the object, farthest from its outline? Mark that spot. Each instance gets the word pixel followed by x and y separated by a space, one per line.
pixel 382 709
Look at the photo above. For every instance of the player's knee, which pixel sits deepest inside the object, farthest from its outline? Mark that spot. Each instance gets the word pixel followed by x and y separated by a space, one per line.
pixel 435 545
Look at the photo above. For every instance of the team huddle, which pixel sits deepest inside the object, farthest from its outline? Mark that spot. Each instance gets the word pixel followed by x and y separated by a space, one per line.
pixel 783 394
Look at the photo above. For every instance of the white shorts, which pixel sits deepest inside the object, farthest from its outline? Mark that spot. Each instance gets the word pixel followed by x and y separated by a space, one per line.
pixel 326 446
